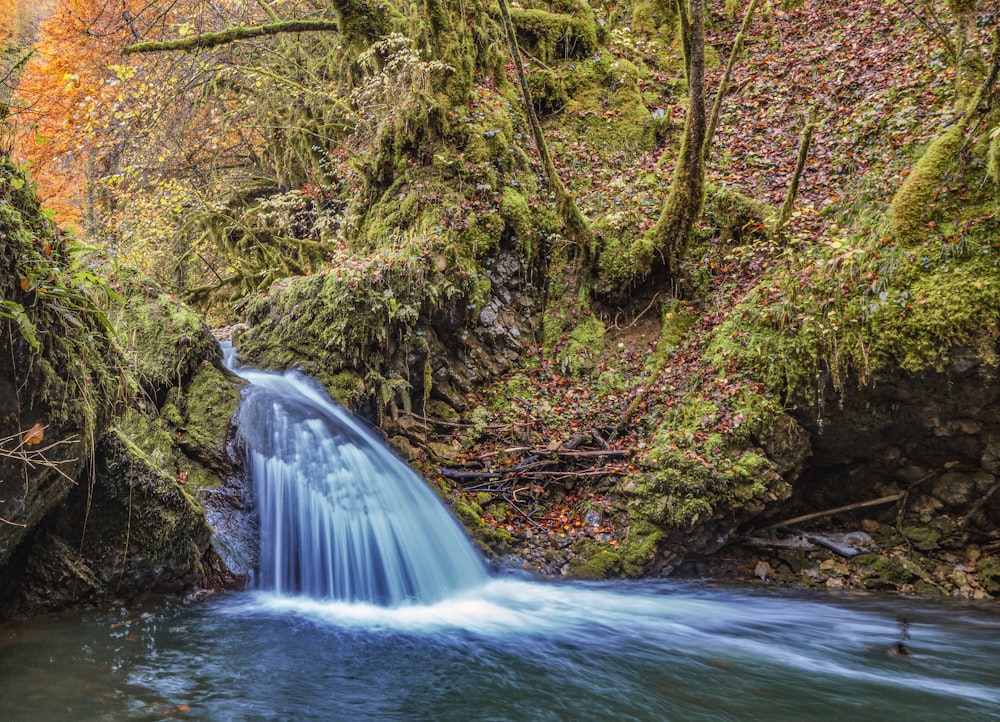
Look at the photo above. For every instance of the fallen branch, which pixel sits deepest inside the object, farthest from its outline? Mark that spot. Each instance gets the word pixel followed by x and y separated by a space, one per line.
pixel 830 512
pixel 521 511
pixel 459 475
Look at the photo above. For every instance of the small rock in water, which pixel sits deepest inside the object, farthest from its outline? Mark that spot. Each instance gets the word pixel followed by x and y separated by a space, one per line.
pixel 762 570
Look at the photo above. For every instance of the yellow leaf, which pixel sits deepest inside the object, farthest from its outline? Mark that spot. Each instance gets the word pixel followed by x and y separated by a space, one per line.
pixel 34 435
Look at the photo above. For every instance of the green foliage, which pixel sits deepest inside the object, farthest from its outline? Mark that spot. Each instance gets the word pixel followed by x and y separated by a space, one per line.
pixel 55 315
pixel 550 36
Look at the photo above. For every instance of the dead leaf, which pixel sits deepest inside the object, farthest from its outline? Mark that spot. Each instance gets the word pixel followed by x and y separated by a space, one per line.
pixel 34 435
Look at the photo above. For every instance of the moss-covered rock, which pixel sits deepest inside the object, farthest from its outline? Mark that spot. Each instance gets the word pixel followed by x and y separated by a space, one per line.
pixel 988 574
pixel 142 532
pixel 60 373
pixel 165 340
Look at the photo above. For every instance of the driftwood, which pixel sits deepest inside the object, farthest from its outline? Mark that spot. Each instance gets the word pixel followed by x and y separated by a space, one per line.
pixel 846 545
pixel 837 510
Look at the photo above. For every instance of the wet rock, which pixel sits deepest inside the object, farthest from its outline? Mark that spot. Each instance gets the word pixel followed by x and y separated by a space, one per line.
pixel 924 538
pixel 988 575
pixel 403 448
pixel 954 489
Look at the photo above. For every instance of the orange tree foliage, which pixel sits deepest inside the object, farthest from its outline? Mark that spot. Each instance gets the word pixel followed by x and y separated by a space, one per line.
pixel 120 145
pixel 8 19
pixel 74 119
pixel 65 92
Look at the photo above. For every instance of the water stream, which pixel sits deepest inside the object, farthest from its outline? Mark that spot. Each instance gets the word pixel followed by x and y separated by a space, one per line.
pixel 371 605
pixel 342 518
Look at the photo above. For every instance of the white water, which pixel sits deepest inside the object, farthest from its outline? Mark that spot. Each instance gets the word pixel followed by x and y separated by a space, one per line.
pixel 401 623
pixel 341 517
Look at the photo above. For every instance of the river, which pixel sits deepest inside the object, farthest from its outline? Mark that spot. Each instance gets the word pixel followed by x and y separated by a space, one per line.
pixel 371 604
pixel 512 649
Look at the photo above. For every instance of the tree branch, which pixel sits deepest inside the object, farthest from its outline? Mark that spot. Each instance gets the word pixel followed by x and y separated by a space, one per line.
pixel 230 35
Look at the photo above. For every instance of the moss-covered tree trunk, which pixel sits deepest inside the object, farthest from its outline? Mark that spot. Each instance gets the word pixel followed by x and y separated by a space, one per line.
pixel 683 204
pixel 576 225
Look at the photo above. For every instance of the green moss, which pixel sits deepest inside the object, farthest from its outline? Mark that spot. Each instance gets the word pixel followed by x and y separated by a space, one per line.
pixel 550 36
pixel 988 575
pixel 922 538
pixel 154 440
pixel 677 319
pixel 165 340
pixel 492 541
pixel 54 314
pixel 606 109
pixel 912 201
pixel 346 388
pixel 639 547
pixel 598 560
pixel 585 346
pixel 518 217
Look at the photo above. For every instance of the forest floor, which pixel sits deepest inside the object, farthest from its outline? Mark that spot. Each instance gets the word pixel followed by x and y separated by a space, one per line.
pixel 541 454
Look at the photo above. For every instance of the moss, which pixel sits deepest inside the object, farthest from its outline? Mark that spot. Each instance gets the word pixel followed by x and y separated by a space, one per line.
pixel 922 537
pixel 677 320
pixel 550 36
pixel 597 561
pixel 639 547
pixel 585 346
pixel 911 202
pixel 59 362
pixel 993 157
pixel 606 109
pixel 518 217
pixel 346 388
pixel 165 340
pixel 988 575
pixel 492 541
pixel 154 440
pixel 733 218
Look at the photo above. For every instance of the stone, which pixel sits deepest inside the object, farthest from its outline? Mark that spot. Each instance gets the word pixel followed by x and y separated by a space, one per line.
pixel 954 488
pixel 924 538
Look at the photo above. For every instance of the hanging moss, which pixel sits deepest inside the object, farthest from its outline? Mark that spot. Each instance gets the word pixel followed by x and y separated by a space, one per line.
pixel 550 36
pixel 59 366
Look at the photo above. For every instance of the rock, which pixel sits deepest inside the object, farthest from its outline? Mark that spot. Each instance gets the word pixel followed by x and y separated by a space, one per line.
pixel 846 544
pixel 869 525
pixel 988 575
pixel 447 452
pixel 924 538
pixel 954 489
pixel 401 445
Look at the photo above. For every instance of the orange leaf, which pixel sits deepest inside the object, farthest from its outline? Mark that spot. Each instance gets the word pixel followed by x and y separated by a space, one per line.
pixel 25 284
pixel 34 435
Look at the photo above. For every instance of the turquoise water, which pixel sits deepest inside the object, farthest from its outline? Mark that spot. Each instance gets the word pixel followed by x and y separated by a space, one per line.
pixel 511 650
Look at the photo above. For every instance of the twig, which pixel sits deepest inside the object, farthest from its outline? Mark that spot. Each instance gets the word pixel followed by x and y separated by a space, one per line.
pixel 979 505
pixel 459 475
pixel 520 511
pixel 829 512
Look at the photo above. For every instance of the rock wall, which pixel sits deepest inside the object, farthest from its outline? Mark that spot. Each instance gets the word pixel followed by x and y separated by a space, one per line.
pixel 138 520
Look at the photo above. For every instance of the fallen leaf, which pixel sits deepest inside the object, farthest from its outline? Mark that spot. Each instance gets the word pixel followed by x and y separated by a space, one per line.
pixel 34 435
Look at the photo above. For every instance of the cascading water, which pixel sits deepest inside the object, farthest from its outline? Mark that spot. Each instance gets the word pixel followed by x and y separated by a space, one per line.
pixel 340 516
pixel 343 521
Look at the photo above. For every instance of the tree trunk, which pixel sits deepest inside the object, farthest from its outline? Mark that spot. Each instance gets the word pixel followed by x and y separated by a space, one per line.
pixel 684 200
pixel 576 225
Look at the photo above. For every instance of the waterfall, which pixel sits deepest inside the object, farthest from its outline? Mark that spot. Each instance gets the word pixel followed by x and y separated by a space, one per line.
pixel 341 517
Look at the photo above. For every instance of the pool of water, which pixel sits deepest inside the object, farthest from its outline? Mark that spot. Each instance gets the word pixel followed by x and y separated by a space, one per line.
pixel 512 650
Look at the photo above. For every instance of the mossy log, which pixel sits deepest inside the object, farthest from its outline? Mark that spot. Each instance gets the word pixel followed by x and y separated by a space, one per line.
pixel 204 41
